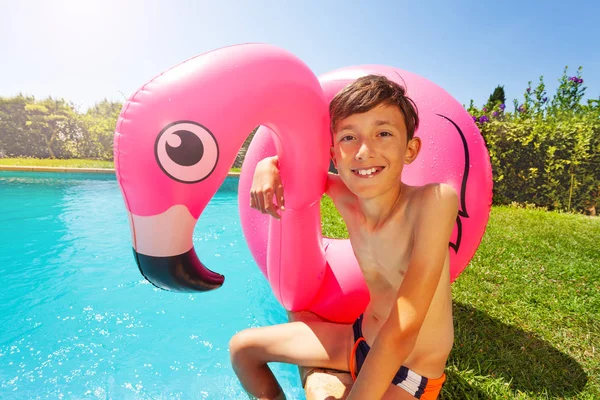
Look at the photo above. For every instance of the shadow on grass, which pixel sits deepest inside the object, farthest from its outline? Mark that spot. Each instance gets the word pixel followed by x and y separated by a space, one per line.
pixel 456 387
pixel 488 349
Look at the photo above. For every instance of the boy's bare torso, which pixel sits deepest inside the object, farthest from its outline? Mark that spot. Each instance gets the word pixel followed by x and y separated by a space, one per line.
pixel 383 254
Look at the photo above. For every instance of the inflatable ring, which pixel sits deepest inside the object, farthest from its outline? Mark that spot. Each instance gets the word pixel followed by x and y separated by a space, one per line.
pixel 452 152
pixel 177 137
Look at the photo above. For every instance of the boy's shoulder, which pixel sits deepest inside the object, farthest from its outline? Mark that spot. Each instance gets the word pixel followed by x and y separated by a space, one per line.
pixel 435 193
pixel 337 190
pixel 434 208
pixel 433 202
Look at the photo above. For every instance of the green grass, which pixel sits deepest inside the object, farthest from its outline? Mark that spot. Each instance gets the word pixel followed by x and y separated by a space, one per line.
pixel 71 163
pixel 526 309
pixel 47 162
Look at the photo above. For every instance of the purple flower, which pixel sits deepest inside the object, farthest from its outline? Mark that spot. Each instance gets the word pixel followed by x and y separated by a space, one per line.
pixel 528 90
pixel 495 113
pixel 521 108
pixel 474 118
pixel 483 119
pixel 545 99
pixel 502 106
pixel 576 79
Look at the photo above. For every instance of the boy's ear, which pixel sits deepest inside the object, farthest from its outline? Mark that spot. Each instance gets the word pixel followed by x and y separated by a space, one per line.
pixel 412 150
pixel 332 154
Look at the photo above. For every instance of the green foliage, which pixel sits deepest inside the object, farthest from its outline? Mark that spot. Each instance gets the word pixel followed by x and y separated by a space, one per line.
pixel 52 128
pixel 15 133
pixel 496 98
pixel 239 159
pixel 100 122
pixel 547 152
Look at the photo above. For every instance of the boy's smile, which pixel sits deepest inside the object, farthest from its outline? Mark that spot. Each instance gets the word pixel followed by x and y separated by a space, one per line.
pixel 367 172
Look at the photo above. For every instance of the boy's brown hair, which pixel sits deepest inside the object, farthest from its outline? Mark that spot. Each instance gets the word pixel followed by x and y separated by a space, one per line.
pixel 368 92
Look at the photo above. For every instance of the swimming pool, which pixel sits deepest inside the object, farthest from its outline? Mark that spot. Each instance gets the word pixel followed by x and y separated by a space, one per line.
pixel 78 320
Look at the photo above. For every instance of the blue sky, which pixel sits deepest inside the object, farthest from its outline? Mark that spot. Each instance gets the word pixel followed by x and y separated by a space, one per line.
pixel 87 50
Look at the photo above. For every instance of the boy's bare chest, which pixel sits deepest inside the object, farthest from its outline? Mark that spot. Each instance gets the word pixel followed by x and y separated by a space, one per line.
pixel 383 256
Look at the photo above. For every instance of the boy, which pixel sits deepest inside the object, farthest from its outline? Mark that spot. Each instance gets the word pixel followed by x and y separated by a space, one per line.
pixel 399 347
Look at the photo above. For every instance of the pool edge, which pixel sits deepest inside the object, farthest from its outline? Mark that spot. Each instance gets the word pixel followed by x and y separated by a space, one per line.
pixel 28 168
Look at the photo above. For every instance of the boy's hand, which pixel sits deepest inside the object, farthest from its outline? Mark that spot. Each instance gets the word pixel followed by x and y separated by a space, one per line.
pixel 266 187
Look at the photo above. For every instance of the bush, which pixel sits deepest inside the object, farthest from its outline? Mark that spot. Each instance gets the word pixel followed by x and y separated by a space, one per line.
pixel 546 152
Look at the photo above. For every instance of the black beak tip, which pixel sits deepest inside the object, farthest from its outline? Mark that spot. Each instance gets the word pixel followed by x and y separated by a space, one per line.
pixel 181 273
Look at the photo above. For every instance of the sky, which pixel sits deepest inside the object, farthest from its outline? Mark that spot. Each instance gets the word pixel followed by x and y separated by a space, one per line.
pixel 88 50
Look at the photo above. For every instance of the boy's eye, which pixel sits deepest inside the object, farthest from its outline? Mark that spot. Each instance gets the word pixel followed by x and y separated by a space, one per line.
pixel 385 133
pixel 346 138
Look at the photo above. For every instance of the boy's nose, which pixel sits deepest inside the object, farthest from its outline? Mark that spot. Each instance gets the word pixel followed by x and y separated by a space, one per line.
pixel 364 151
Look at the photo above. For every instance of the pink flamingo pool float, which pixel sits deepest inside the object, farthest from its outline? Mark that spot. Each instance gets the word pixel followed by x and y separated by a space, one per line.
pixel 178 135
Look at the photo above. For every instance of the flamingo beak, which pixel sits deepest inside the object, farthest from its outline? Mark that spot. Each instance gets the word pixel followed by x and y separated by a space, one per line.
pixel 180 273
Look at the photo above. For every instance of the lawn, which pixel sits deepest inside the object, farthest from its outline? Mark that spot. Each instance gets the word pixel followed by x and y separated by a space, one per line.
pixel 47 162
pixel 69 163
pixel 526 309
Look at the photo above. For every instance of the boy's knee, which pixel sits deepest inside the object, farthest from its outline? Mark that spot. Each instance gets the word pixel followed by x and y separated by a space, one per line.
pixel 327 384
pixel 242 346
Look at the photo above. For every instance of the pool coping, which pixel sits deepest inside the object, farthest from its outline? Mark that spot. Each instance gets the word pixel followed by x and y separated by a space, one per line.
pixel 30 168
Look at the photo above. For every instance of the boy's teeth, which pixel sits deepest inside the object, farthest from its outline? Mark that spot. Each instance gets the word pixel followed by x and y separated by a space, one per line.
pixel 366 171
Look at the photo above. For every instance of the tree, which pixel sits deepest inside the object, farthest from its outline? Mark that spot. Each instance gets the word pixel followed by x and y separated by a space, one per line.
pixel 498 97
pixel 55 124
pixel 15 139
pixel 100 122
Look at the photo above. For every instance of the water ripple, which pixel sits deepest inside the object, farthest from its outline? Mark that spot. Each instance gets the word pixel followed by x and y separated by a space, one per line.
pixel 78 319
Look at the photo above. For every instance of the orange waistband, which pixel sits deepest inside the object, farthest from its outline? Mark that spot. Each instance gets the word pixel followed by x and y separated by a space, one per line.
pixel 436 382
pixel 433 388
pixel 353 357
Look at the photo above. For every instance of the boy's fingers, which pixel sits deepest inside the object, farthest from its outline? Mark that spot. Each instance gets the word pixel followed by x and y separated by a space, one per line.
pixel 263 202
pixel 255 203
pixel 259 203
pixel 279 194
pixel 269 206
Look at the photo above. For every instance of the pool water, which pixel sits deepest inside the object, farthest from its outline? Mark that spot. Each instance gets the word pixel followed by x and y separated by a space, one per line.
pixel 78 320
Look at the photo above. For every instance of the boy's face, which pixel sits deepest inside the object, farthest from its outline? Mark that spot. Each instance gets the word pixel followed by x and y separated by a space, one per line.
pixel 370 150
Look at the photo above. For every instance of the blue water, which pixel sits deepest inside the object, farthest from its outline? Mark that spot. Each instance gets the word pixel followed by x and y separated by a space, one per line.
pixel 78 320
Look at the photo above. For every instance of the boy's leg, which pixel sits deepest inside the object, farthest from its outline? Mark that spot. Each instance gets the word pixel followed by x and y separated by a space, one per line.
pixel 310 343
pixel 335 384
pixel 319 382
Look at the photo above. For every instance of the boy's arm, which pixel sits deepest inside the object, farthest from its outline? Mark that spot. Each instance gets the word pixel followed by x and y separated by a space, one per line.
pixel 397 337
pixel 266 192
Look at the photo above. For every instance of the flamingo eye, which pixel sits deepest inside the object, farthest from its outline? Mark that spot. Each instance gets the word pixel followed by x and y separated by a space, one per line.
pixel 186 151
